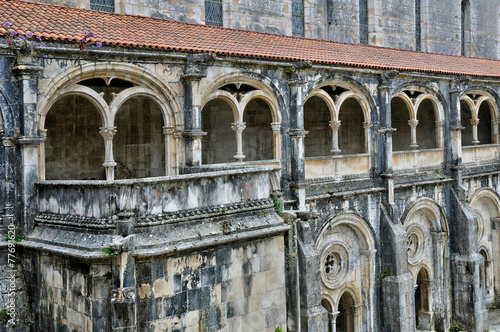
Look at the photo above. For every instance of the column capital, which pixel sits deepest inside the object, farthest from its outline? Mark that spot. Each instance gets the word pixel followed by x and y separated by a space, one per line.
pixel 168 130
pixel 335 124
pixel 298 132
pixel 439 124
pixel 295 82
pixel 238 126
pixel 413 123
pixel 367 124
pixel 194 133
pixel 474 121
pixel 276 126
pixel 107 132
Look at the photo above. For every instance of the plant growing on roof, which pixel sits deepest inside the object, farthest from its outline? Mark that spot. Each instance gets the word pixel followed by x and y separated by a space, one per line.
pixel 27 42
pixel 88 40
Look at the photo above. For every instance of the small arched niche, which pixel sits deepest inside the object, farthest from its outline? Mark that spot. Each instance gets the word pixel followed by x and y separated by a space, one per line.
pixel 351 131
pixel 426 129
pixel 400 115
pixel 316 121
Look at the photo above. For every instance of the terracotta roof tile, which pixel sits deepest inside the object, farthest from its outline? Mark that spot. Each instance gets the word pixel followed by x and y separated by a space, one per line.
pixel 66 23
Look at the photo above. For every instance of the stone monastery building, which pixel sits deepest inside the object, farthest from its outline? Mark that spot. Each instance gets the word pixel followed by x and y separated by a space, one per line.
pixel 239 165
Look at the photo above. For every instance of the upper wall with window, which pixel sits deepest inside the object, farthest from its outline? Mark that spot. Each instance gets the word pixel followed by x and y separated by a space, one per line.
pixel 469 28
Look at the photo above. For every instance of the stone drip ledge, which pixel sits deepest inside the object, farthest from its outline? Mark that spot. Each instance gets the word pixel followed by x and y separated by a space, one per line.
pixel 154 220
pixel 158 240
pixel 160 179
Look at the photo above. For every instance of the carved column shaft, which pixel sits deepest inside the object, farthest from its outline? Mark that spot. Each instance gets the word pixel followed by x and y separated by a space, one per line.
pixel 192 120
pixel 238 127
pixel 335 125
pixel 474 122
pixel 109 162
pixel 413 130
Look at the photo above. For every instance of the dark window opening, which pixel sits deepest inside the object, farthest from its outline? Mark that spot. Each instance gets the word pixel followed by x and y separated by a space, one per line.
pixel 418 26
pixel 104 5
pixel 298 18
pixel 213 12
pixel 363 21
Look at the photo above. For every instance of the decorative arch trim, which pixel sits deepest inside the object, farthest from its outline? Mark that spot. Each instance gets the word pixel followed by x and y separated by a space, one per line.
pixel 432 210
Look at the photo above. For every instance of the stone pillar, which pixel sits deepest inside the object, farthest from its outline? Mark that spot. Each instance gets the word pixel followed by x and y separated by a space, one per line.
pixel 367 126
pixel 171 150
pixel 109 160
pixel 29 141
pixel 413 130
pixel 335 125
pixel 439 131
pixel 297 134
pixel 238 127
pixel 474 122
pixel 385 132
pixel 123 306
pixel 9 213
pixel 332 320
pixel 192 122
pixel 276 127
pixel 456 133
pixel 441 305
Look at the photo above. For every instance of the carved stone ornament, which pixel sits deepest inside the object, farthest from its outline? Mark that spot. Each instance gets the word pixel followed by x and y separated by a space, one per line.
pixel 415 244
pixel 334 265
pixel 108 132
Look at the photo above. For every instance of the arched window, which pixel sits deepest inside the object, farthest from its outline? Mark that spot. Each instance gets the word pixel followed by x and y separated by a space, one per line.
pixel 298 18
pixel 418 26
pixel 213 12
pixel 105 5
pixel 363 21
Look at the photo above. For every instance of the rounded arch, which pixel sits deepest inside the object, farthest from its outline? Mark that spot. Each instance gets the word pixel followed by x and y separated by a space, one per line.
pixel 489 194
pixel 351 294
pixel 438 107
pixel 328 101
pixel 269 92
pixel 354 89
pixel 428 89
pixel 110 70
pixel 139 91
pixel 352 220
pixel 257 94
pixel 492 97
pixel 229 99
pixel 421 268
pixel 431 210
pixel 407 101
pixel 83 91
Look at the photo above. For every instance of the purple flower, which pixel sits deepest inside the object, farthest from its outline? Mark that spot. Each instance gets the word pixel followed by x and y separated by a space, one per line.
pixel 39 37
pixel 30 34
pixel 98 44
pixel 45 56
pixel 23 37
pixel 7 24
pixel 90 34
pixel 13 32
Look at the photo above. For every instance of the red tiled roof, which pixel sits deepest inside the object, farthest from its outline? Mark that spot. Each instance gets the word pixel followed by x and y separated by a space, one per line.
pixel 62 23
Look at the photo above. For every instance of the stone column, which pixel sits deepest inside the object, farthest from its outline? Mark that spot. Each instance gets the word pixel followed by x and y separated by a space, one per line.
pixel 441 305
pixel 170 150
pixel 238 127
pixel 9 181
pixel 474 122
pixel 439 131
pixel 276 127
pixel 413 128
pixel 297 134
pixel 192 119
pixel 109 161
pixel 385 133
pixel 29 141
pixel 367 126
pixel 456 132
pixel 332 320
pixel 335 125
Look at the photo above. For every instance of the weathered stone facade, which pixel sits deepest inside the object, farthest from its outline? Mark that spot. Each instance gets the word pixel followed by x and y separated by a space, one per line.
pixel 175 191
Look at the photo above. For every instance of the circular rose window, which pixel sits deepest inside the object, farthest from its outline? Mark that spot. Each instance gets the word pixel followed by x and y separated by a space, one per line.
pixel 334 265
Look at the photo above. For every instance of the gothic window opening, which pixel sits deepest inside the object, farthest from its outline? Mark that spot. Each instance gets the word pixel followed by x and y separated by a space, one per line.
pixel 466 116
pixel 298 18
pixel 104 5
pixel 418 26
pixel 400 117
pixel 426 129
pixel 363 21
pixel 484 132
pixel 213 12
pixel 351 131
pixel 345 319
